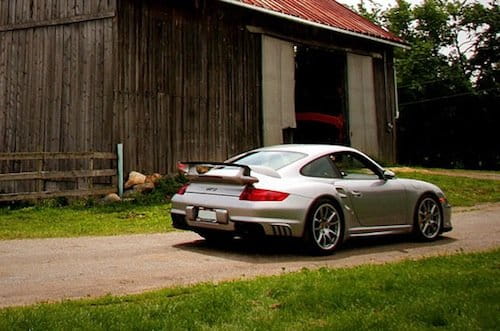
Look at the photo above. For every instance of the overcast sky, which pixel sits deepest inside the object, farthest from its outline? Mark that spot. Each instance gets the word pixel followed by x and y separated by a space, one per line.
pixel 387 3
pixel 383 2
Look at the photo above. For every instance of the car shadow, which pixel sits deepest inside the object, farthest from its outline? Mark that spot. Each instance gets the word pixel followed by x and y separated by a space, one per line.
pixel 272 250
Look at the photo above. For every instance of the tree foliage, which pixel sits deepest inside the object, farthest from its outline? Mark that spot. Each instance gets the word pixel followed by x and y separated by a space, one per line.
pixel 454 46
pixel 486 60
pixel 448 80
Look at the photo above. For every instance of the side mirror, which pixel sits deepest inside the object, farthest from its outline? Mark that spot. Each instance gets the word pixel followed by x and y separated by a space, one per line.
pixel 389 174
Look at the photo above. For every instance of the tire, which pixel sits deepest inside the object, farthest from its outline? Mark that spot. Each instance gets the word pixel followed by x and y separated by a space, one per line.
pixel 428 219
pixel 324 231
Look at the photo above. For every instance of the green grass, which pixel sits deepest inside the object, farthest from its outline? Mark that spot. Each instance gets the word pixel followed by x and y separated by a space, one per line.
pixel 148 213
pixel 455 293
pixel 461 191
pixel 74 221
pixel 461 171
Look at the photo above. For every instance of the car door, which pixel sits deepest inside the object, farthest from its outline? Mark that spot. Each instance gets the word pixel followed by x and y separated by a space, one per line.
pixel 376 201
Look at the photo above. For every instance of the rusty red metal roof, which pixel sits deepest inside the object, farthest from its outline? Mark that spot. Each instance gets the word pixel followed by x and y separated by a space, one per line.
pixel 322 13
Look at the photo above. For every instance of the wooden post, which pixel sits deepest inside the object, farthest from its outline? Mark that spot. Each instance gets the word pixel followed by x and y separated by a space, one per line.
pixel 39 168
pixel 119 171
pixel 90 180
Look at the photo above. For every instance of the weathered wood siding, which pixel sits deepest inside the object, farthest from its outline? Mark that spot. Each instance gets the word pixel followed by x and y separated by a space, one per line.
pixel 41 12
pixel 188 85
pixel 56 78
pixel 172 81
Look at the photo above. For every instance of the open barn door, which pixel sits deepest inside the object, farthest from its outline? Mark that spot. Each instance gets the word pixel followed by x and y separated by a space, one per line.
pixel 278 89
pixel 362 107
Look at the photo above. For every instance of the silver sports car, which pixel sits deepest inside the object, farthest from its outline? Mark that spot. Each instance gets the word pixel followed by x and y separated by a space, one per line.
pixel 322 193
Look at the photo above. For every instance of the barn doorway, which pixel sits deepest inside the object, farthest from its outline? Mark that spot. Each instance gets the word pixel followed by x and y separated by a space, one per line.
pixel 320 96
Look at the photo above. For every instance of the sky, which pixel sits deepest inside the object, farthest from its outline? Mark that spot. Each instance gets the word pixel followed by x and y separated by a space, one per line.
pixel 382 2
pixel 387 3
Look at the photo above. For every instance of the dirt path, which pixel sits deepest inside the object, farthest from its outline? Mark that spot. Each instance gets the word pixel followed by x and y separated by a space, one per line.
pixel 53 269
pixel 456 173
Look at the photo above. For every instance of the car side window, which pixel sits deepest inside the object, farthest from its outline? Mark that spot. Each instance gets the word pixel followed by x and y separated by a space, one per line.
pixel 321 168
pixel 352 166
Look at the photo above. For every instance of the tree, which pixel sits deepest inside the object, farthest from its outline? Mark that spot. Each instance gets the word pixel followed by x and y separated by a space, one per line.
pixel 448 81
pixel 454 46
pixel 485 62
pixel 374 13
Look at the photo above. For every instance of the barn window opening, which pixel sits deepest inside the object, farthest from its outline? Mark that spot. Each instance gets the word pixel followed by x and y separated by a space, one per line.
pixel 320 96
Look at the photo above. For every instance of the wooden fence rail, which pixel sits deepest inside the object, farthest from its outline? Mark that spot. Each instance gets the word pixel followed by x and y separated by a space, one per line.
pixel 40 175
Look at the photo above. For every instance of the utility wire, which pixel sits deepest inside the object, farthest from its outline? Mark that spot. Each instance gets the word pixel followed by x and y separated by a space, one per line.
pixel 446 97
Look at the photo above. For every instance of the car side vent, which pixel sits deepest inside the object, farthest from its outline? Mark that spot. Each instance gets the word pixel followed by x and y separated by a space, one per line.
pixel 282 230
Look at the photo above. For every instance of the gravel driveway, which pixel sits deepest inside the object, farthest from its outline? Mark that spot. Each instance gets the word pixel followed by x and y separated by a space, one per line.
pixel 41 270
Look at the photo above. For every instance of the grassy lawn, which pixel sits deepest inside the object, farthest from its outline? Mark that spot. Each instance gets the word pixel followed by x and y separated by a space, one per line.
pixel 74 221
pixel 461 191
pixel 455 171
pixel 44 221
pixel 458 293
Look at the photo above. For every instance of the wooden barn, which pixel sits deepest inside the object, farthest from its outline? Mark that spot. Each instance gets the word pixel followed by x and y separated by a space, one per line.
pixel 192 79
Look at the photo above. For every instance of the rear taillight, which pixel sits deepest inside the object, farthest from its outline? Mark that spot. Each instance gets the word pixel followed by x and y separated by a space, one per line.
pixel 183 189
pixel 182 168
pixel 255 194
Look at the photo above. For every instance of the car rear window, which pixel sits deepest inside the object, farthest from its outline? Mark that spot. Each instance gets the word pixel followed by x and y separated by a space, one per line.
pixel 272 159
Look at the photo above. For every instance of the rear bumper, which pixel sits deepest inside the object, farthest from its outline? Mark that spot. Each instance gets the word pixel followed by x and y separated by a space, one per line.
pixel 275 218
pixel 270 227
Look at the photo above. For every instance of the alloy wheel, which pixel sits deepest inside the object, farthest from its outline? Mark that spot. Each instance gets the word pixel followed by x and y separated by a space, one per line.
pixel 429 218
pixel 326 226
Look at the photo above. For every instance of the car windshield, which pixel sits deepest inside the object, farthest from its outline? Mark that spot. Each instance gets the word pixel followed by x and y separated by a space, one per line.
pixel 272 159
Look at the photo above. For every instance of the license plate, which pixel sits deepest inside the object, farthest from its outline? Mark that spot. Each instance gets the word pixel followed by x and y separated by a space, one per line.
pixel 205 215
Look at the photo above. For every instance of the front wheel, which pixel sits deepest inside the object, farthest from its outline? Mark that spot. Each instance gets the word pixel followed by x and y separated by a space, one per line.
pixel 428 219
pixel 324 228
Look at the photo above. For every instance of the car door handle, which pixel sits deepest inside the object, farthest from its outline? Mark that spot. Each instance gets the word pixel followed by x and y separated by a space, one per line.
pixel 357 194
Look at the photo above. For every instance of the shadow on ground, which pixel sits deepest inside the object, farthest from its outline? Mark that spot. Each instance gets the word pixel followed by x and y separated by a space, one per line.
pixel 271 250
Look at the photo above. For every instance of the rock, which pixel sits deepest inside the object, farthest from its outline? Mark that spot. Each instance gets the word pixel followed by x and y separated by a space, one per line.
pixel 129 194
pixel 144 188
pixel 154 178
pixel 135 178
pixel 111 198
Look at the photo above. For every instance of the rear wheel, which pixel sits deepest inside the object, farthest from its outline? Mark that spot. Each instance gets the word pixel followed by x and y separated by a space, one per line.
pixel 428 219
pixel 324 228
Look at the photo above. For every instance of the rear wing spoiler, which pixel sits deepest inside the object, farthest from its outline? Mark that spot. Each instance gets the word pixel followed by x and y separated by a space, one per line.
pixel 197 172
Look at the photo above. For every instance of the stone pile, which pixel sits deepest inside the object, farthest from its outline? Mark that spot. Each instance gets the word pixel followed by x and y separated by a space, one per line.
pixel 139 183
pixel 136 183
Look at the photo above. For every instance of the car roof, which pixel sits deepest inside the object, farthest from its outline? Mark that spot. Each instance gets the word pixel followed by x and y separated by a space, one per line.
pixel 309 149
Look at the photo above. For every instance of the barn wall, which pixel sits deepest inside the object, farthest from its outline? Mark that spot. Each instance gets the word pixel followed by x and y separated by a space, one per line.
pixel 187 85
pixel 172 80
pixel 14 13
pixel 56 82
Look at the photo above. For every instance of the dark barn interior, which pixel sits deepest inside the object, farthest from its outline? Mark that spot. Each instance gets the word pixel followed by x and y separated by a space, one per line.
pixel 320 96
